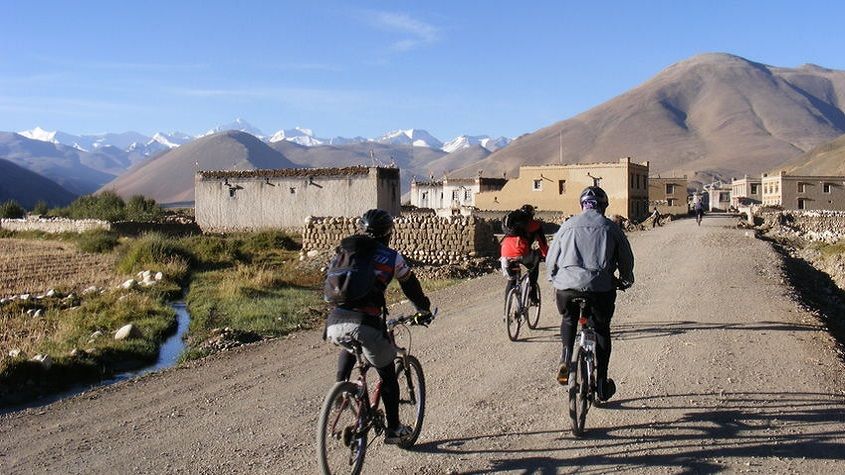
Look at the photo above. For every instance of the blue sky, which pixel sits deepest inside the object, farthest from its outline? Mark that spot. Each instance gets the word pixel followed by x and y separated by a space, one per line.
pixel 364 67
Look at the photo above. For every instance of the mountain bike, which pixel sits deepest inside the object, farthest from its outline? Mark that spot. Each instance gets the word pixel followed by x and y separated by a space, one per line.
pixel 350 412
pixel 582 370
pixel 518 304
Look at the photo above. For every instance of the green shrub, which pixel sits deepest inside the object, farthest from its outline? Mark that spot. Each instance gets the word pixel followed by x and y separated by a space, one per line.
pixel 139 208
pixel 41 208
pixel 269 240
pixel 97 240
pixel 11 210
pixel 210 250
pixel 157 252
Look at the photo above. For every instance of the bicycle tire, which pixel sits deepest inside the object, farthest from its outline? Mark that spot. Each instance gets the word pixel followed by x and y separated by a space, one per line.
pixel 356 452
pixel 578 391
pixel 532 317
pixel 411 382
pixel 512 317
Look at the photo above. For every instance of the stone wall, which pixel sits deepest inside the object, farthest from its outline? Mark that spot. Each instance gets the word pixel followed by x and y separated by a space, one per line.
pixel 825 226
pixel 54 225
pixel 423 239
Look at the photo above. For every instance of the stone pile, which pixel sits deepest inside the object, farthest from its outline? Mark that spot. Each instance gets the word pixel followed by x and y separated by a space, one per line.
pixel 824 226
pixel 420 238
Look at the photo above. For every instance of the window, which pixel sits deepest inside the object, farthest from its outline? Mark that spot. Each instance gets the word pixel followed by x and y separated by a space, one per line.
pixel 561 187
pixel 538 185
pixel 672 201
pixel 755 188
pixel 827 188
pixel 670 189
pixel 455 195
pixel 467 194
pixel 802 203
pixel 801 188
pixel 632 181
pixel 777 187
pixel 724 196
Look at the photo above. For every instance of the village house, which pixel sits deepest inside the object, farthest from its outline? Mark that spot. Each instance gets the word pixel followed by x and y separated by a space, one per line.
pixel 804 192
pixel 452 195
pixel 558 187
pixel 668 194
pixel 283 198
pixel 718 196
pixel 746 191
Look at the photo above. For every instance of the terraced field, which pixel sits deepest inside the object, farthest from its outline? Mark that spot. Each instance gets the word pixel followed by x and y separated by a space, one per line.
pixel 34 266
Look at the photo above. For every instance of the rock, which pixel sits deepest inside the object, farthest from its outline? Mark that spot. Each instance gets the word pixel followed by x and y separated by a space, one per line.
pixel 37 313
pixel 77 353
pixel 45 360
pixel 159 276
pixel 89 290
pixel 128 284
pixel 127 331
pixel 95 335
pixel 24 297
pixel 50 293
pixel 16 353
pixel 313 253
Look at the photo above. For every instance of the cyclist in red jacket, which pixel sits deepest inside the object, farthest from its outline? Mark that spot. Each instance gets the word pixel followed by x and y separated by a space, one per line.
pixel 521 231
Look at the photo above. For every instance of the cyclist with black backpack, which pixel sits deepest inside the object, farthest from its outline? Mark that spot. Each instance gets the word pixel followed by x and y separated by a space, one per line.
pixel 356 280
pixel 521 231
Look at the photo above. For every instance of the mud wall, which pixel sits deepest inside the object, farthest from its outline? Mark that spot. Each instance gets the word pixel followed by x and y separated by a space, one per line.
pixel 54 225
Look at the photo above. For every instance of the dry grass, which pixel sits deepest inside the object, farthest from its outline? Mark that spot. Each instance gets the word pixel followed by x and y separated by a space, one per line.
pixel 34 266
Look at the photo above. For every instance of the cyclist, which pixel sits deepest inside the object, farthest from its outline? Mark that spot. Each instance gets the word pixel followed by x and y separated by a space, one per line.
pixel 521 231
pixel 584 254
pixel 655 218
pixel 365 320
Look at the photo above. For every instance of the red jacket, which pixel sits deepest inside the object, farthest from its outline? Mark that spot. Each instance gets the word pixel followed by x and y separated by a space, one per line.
pixel 518 246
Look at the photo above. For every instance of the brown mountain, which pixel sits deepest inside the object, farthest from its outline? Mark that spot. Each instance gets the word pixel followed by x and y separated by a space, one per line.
pixel 27 187
pixel 827 159
pixel 713 115
pixel 169 177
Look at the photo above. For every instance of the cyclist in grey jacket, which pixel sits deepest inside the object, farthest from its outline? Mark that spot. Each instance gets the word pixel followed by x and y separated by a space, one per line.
pixel 582 259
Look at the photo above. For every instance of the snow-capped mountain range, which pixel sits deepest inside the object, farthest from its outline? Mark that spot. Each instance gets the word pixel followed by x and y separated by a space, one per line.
pixel 160 141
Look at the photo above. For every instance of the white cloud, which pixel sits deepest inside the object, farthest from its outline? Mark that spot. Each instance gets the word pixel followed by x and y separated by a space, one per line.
pixel 416 32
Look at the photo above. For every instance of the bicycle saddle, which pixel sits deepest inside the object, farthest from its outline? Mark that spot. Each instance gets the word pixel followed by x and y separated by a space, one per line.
pixel 349 344
pixel 581 301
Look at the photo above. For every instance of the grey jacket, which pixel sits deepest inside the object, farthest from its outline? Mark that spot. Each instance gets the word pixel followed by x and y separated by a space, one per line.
pixel 586 251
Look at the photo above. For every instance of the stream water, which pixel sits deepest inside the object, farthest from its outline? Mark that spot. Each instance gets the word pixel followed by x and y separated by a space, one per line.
pixel 168 356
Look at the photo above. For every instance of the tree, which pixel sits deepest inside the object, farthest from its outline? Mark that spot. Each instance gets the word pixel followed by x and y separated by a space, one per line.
pixel 11 209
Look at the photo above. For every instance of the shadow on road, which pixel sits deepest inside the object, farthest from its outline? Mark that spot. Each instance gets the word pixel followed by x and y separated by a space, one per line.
pixel 693 432
pixel 636 331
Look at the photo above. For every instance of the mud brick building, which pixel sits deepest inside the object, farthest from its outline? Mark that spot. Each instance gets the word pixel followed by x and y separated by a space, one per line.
pixel 283 198
pixel 558 187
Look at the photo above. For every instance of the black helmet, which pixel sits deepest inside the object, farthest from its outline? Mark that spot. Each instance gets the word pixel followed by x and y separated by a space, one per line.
pixel 596 195
pixel 376 223
pixel 528 209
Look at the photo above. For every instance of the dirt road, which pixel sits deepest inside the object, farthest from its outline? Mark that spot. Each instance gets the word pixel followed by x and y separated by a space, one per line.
pixel 716 366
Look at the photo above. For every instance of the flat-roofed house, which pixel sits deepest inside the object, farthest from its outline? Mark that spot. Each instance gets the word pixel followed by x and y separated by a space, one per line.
pixel 452 195
pixel 284 198
pixel 746 191
pixel 804 191
pixel 558 187
pixel 668 194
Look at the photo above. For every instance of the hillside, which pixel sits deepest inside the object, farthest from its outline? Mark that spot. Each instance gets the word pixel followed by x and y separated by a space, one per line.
pixel 77 171
pixel 827 159
pixel 169 177
pixel 715 114
pixel 27 187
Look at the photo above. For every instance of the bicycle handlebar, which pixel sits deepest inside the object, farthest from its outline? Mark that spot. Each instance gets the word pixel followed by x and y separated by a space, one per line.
pixel 419 318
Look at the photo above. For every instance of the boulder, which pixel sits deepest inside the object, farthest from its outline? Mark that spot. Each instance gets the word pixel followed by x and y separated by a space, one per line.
pixel 159 276
pixel 90 290
pixel 128 284
pixel 50 293
pixel 16 353
pixel 45 360
pixel 127 332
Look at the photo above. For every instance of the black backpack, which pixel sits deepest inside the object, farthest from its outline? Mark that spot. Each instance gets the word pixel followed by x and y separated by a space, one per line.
pixel 351 275
pixel 515 223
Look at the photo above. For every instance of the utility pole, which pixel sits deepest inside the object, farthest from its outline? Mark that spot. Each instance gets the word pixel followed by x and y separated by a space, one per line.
pixel 560 143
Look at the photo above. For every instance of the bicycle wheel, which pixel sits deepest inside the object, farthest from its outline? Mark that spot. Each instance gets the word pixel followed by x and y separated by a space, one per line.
pixel 513 319
pixel 532 310
pixel 578 391
pixel 411 397
pixel 340 448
